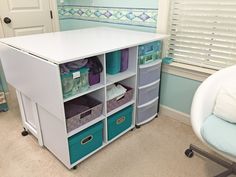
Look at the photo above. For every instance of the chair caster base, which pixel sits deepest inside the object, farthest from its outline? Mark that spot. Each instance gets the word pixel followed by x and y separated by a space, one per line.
pixel 231 167
pixel 189 153
pixel 24 133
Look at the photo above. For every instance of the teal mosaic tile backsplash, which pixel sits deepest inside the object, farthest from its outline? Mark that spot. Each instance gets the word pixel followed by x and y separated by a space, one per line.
pixel 144 17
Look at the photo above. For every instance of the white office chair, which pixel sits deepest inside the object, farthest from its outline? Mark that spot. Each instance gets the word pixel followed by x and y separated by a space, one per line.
pixel 202 108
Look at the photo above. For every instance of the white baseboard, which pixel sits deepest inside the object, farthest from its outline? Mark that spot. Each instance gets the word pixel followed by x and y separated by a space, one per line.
pixel 174 114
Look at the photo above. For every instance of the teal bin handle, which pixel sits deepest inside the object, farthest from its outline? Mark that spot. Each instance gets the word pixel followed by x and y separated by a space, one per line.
pixel 120 120
pixel 86 140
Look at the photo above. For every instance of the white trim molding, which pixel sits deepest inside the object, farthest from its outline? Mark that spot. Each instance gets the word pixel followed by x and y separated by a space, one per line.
pixel 55 20
pixel 1 29
pixel 174 114
pixel 187 71
pixel 163 16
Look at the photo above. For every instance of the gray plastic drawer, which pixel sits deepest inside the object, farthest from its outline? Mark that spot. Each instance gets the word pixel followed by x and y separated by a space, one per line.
pixel 148 92
pixel 147 111
pixel 149 73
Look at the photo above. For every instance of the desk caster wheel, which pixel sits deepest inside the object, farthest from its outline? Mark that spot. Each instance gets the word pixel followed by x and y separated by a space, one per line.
pixel 137 126
pixel 4 110
pixel 189 153
pixel 24 133
pixel 74 167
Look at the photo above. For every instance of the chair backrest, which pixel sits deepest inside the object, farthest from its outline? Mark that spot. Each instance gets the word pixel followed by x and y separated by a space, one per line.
pixel 204 102
pixel 205 96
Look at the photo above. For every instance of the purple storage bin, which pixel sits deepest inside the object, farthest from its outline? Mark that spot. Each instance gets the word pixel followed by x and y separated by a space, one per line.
pixel 124 60
pixel 81 110
pixel 115 103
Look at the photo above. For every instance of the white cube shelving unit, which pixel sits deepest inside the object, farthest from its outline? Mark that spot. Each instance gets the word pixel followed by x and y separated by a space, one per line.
pixel 31 65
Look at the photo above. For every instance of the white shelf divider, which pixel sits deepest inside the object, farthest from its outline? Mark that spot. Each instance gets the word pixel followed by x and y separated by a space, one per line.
pixel 91 89
pixel 111 79
pixel 120 108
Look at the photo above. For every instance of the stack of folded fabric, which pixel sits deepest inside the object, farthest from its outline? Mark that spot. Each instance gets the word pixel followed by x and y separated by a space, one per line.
pixel 115 91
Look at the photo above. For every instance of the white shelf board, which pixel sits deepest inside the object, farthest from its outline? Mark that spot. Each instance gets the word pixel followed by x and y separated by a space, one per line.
pixel 91 89
pixel 120 108
pixel 111 79
pixel 96 120
pixel 66 46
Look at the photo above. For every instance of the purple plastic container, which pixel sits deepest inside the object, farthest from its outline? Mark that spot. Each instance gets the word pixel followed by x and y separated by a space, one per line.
pixel 94 78
pixel 124 60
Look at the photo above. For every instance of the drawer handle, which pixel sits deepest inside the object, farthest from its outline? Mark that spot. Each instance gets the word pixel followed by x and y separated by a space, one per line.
pixel 152 64
pixel 120 120
pixel 86 140
pixel 153 69
pixel 149 85
pixel 85 114
pixel 149 103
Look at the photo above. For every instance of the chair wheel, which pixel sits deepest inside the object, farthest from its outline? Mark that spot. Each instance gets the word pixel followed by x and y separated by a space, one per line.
pixel 24 133
pixel 74 167
pixel 189 153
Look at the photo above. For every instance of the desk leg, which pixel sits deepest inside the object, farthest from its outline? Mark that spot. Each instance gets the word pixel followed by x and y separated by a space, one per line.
pixel 37 123
pixel 34 129
pixel 22 111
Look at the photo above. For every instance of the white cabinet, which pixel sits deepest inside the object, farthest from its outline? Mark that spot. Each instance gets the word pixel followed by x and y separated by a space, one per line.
pixel 32 66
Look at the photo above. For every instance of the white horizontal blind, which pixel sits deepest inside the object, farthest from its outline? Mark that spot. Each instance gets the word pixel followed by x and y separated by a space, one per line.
pixel 203 32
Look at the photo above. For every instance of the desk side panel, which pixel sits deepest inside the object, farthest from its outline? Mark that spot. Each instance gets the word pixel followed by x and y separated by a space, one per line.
pixel 34 77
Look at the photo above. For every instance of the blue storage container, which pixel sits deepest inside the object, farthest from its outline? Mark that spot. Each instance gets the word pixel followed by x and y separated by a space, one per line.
pixel 119 122
pixel 113 62
pixel 85 142
pixel 149 52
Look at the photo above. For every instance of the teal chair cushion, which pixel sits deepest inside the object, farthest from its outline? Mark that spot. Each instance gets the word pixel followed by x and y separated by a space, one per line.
pixel 220 134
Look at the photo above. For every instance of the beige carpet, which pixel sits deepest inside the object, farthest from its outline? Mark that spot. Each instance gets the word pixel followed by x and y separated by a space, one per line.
pixel 155 150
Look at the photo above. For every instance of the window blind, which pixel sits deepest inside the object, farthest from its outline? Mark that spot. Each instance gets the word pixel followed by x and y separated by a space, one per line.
pixel 203 32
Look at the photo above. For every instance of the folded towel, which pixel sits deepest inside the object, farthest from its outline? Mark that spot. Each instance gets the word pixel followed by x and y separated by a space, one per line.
pixel 115 91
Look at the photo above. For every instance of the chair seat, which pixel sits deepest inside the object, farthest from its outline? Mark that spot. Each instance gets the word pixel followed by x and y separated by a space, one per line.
pixel 220 134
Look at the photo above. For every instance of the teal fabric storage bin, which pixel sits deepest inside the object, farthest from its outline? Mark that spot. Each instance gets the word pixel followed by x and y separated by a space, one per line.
pixel 113 62
pixel 3 100
pixel 119 122
pixel 75 82
pixel 85 142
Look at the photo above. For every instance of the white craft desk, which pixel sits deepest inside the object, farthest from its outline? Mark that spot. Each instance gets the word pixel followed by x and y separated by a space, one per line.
pixel 31 64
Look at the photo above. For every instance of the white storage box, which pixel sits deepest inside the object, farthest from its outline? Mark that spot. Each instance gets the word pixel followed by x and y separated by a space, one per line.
pixel 148 92
pixel 147 111
pixel 149 73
